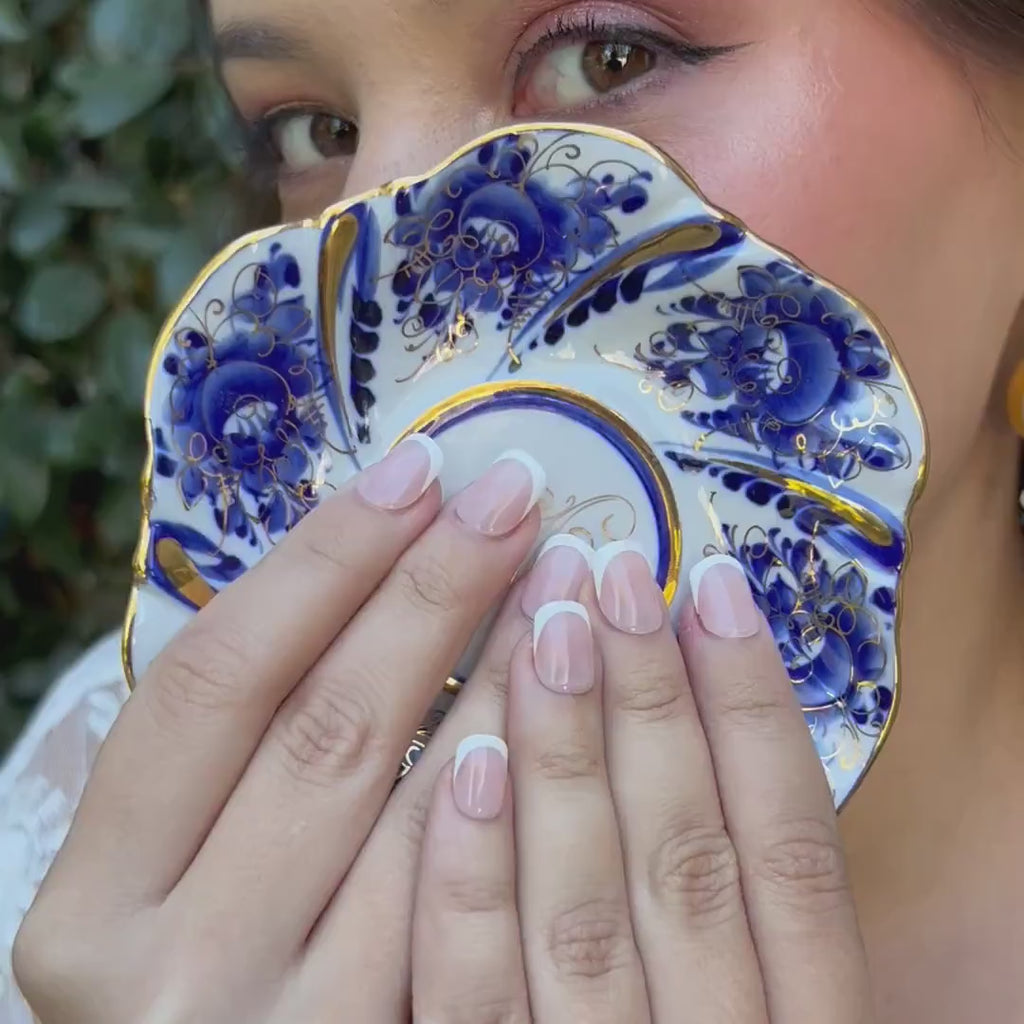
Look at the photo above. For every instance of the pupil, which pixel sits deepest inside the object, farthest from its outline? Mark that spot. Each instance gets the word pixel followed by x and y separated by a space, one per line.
pixel 329 133
pixel 607 65
pixel 616 56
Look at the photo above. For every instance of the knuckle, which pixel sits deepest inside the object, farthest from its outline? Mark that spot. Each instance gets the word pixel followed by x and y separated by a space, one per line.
pixel 328 547
pixel 567 764
pixel 480 895
pixel 200 672
pixel 802 863
pixel 427 585
pixel 414 817
pixel 695 869
pixel 750 704
pixel 492 676
pixel 651 692
pixel 327 734
pixel 591 940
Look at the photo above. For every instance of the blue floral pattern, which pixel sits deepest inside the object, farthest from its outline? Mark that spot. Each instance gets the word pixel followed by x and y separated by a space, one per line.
pixel 245 418
pixel 549 256
pixel 787 371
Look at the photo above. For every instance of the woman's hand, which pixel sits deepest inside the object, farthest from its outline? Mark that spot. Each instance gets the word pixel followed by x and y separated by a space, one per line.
pixel 673 854
pixel 219 868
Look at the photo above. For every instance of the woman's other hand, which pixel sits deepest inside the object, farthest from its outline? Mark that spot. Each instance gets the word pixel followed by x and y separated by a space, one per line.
pixel 211 871
pixel 660 843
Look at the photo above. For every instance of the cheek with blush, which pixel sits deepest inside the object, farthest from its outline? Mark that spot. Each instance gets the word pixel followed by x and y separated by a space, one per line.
pixel 859 148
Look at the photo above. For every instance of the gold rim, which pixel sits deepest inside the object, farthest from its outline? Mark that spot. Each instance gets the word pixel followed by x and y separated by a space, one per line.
pixel 481 392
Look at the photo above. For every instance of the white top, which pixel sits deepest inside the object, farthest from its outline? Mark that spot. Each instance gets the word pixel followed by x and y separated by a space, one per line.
pixel 40 786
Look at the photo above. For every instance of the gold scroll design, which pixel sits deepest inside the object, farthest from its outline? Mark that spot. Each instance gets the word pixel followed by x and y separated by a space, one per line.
pixel 618 517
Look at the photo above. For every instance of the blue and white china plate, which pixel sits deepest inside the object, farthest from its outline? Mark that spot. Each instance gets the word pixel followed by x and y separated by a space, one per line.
pixel 566 290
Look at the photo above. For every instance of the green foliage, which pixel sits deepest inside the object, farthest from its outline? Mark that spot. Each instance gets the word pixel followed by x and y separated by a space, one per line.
pixel 118 179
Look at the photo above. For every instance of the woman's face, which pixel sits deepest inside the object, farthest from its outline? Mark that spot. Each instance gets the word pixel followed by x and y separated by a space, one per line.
pixel 837 129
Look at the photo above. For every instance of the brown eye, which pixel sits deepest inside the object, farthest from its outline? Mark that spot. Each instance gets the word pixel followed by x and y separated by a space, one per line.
pixel 607 66
pixel 579 73
pixel 304 139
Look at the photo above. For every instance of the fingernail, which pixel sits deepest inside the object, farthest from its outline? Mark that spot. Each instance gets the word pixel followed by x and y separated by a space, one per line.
pixel 722 597
pixel 627 592
pixel 563 648
pixel 558 572
pixel 403 475
pixel 497 502
pixel 480 776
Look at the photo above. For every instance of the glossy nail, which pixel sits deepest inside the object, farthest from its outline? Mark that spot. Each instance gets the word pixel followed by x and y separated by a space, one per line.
pixel 480 776
pixel 627 592
pixel 558 572
pixel 722 597
pixel 497 502
pixel 402 477
pixel 563 648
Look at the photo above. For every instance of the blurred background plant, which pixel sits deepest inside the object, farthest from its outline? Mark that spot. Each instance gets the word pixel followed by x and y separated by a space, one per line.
pixel 119 177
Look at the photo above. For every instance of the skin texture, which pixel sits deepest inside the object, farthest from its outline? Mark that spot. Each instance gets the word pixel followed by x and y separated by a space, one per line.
pixel 838 129
pixel 847 133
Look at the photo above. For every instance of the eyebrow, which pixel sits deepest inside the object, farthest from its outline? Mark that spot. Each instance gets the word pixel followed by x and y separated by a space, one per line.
pixel 253 40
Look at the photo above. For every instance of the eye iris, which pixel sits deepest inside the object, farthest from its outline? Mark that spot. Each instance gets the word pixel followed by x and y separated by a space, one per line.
pixel 330 135
pixel 608 65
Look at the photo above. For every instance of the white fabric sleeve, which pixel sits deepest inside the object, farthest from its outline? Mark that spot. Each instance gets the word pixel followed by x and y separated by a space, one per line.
pixel 40 786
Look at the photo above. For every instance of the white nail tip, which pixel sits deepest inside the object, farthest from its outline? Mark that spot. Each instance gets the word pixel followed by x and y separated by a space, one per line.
pixel 434 453
pixel 698 571
pixel 546 612
pixel 604 555
pixel 566 540
pixel 536 471
pixel 480 741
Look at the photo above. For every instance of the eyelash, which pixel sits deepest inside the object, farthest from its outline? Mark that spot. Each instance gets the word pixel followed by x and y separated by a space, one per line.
pixel 260 155
pixel 567 30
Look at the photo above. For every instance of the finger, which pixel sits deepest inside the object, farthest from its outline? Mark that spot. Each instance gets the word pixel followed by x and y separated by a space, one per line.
pixel 777 804
pixel 185 736
pixel 683 878
pixel 467 963
pixel 315 786
pixel 381 885
pixel 581 958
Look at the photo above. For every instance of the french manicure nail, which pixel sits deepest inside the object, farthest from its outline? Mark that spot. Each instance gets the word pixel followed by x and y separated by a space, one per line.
pixel 626 589
pixel 480 776
pixel 558 572
pixel 497 502
pixel 722 597
pixel 563 648
pixel 402 477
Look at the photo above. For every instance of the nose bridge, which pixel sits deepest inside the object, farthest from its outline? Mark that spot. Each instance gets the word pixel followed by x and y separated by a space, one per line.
pixel 398 139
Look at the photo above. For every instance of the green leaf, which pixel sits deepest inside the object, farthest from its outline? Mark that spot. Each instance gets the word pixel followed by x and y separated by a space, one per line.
pixel 152 30
pixel 119 518
pixel 43 13
pixel 13 159
pixel 38 222
pixel 110 95
pixel 24 486
pixel 126 342
pixel 59 301
pixel 181 262
pixel 13 27
pixel 89 190
pixel 15 75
